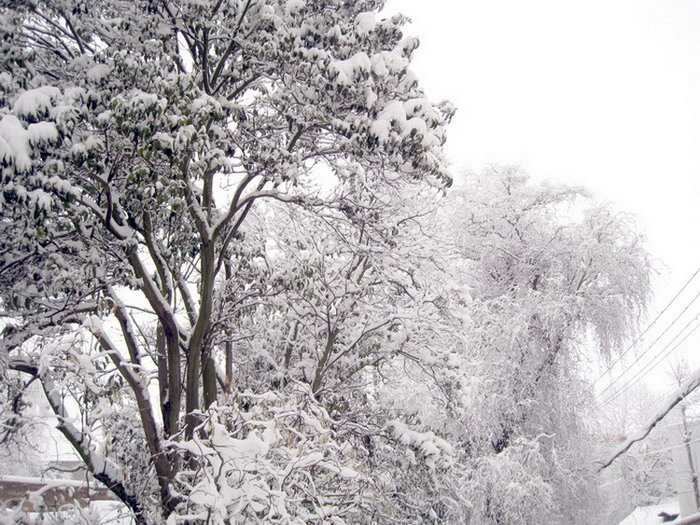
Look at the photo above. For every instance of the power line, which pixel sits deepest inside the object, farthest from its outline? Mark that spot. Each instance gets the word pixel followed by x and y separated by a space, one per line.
pixel 648 367
pixel 665 449
pixel 641 336
pixel 649 453
pixel 636 378
pixel 675 320
pixel 645 370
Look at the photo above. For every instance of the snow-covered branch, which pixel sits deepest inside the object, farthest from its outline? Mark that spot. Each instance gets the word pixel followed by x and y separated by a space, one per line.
pixel 678 395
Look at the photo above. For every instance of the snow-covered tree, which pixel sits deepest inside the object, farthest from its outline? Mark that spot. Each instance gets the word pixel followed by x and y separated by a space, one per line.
pixel 136 140
pixel 363 318
pixel 548 273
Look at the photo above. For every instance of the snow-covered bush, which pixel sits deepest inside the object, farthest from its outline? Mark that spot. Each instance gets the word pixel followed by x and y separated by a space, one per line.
pixel 269 458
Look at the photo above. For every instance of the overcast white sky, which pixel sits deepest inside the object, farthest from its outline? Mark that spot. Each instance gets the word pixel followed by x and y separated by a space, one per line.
pixel 605 93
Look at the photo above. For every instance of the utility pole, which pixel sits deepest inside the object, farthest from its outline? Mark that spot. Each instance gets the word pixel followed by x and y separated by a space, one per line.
pixel 691 463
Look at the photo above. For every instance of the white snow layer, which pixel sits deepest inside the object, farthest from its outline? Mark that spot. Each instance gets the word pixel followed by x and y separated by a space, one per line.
pixel 406 118
pixel 99 72
pixel 35 102
pixel 350 68
pixel 365 22
pixel 294 5
pixel 14 143
pixel 42 132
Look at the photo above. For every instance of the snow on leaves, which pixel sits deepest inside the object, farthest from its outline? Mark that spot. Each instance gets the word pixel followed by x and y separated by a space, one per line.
pixel 277 459
pixel 435 452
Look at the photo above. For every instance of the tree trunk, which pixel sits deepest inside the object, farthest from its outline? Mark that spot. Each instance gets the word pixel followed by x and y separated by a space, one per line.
pixel 198 356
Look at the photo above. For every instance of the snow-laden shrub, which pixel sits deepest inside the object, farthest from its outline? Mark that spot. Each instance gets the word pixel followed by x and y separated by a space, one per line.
pixel 513 486
pixel 269 458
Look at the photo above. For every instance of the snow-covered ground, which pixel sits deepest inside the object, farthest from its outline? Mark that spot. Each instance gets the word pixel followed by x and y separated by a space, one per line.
pixel 650 515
